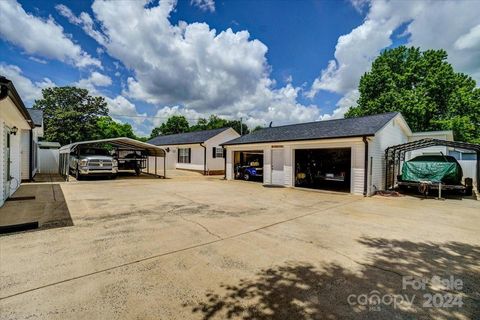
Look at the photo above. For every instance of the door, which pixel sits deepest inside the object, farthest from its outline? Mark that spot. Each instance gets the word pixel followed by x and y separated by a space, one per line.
pixel 6 165
pixel 278 177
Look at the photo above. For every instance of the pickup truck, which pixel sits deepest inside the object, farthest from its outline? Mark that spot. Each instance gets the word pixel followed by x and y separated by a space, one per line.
pixel 92 162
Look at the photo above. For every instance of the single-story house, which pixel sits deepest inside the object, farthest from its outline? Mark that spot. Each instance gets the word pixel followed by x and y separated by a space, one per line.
pixel 197 151
pixel 342 154
pixel 16 140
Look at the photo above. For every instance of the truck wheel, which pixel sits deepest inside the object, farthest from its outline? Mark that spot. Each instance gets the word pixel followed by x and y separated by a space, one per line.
pixel 246 177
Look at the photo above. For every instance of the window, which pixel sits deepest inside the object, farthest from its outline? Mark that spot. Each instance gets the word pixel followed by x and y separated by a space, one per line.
pixel 184 155
pixel 217 152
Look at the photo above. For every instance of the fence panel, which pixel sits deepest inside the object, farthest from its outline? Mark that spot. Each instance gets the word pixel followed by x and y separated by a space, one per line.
pixel 48 160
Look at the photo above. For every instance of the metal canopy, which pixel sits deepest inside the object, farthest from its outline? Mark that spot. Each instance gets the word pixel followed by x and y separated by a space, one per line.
pixel 394 155
pixel 122 143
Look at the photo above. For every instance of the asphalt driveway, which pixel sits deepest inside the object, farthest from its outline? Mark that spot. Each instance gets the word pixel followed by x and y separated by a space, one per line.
pixel 201 248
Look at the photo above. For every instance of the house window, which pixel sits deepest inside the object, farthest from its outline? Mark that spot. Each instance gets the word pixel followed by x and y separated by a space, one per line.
pixel 217 152
pixel 184 155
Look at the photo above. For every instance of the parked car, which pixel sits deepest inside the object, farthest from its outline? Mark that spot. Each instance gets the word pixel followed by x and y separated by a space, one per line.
pixel 92 162
pixel 249 172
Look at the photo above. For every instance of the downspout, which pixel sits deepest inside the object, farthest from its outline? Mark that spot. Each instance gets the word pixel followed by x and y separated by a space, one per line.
pixel 224 163
pixel 204 159
pixel 30 165
pixel 365 176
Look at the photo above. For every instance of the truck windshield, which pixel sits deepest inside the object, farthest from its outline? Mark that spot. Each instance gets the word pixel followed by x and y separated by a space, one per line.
pixel 94 152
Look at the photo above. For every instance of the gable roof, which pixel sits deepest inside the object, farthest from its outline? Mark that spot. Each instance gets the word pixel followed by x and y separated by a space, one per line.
pixel 328 129
pixel 36 115
pixel 187 137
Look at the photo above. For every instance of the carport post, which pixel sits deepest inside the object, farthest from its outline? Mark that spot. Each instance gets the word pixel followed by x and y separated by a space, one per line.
pixel 164 165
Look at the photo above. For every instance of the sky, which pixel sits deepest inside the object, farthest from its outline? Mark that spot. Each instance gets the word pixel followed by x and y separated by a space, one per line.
pixel 262 61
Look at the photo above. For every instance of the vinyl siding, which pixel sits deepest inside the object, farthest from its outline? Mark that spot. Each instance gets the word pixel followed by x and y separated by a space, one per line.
pixel 391 134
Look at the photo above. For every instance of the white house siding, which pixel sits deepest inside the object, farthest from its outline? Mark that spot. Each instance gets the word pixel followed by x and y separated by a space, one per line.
pixel 197 153
pixel 10 117
pixel 394 132
pixel 217 164
pixel 441 135
pixel 355 144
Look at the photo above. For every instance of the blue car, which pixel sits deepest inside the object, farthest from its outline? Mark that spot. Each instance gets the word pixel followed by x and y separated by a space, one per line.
pixel 249 172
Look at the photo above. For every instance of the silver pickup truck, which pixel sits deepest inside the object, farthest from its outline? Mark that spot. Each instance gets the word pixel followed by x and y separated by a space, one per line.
pixel 92 161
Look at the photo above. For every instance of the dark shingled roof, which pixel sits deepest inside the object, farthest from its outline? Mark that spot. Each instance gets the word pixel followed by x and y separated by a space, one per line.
pixel 186 138
pixel 328 129
pixel 36 115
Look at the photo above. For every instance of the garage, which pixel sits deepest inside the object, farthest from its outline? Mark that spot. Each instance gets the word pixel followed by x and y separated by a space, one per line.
pixel 345 155
pixel 327 169
pixel 248 165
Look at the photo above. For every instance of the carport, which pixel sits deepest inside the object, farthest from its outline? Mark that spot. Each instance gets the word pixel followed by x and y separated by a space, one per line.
pixel 122 144
pixel 395 155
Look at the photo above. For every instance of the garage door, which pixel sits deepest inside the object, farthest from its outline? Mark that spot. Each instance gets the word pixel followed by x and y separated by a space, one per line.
pixel 328 169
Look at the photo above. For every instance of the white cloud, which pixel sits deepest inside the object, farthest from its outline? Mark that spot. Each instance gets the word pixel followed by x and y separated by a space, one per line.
pixel 192 66
pixel 84 20
pixel 39 36
pixel 427 28
pixel 96 79
pixel 27 89
pixel 205 5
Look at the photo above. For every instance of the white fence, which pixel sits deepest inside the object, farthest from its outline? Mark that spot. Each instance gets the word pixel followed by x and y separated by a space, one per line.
pixel 48 160
pixel 469 168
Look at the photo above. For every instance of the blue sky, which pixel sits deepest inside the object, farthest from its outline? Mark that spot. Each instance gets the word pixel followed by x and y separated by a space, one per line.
pixel 300 60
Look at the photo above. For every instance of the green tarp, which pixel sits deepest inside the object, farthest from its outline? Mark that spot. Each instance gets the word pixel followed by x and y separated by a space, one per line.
pixel 446 172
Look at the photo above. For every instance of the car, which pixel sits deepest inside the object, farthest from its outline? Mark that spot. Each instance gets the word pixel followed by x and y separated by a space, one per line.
pixel 92 162
pixel 249 172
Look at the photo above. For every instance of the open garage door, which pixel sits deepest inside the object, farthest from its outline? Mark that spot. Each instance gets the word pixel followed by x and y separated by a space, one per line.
pixel 328 169
pixel 248 165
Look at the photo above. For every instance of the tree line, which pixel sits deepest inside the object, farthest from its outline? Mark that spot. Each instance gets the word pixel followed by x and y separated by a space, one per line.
pixel 422 85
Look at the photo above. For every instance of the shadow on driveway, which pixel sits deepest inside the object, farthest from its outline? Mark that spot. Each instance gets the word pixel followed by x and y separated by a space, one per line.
pixel 302 291
pixel 35 206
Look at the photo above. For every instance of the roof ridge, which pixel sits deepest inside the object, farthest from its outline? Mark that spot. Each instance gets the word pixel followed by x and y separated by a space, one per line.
pixel 197 131
pixel 317 121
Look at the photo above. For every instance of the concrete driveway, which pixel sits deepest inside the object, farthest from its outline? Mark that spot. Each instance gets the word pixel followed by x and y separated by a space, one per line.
pixel 206 248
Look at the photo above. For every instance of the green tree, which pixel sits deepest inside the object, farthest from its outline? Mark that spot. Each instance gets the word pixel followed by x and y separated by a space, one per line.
pixel 215 122
pixel 174 124
pixel 109 128
pixel 423 86
pixel 70 114
pixel 257 128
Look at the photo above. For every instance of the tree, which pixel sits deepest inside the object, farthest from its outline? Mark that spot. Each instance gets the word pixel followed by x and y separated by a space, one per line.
pixel 257 128
pixel 70 114
pixel 424 87
pixel 174 124
pixel 215 122
pixel 109 128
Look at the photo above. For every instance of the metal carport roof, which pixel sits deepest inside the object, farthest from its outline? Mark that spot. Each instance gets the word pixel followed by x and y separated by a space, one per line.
pixel 121 143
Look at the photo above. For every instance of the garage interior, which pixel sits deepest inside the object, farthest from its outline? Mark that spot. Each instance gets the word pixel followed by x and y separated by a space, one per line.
pixel 248 165
pixel 326 169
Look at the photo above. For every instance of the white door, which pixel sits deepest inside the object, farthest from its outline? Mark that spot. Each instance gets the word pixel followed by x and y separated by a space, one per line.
pixel 278 177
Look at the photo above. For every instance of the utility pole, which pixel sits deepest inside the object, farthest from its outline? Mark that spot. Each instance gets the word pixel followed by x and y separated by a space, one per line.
pixel 241 126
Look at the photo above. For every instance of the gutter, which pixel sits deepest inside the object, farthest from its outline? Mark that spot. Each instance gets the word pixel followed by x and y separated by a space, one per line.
pixel 204 158
pixel 365 175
